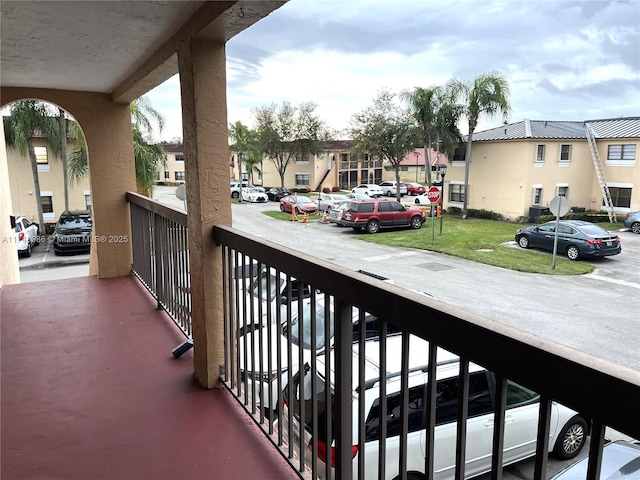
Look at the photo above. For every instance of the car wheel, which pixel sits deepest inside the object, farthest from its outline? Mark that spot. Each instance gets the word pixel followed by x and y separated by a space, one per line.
pixel 416 222
pixel 281 208
pixel 417 202
pixel 235 194
pixel 373 226
pixel 571 439
pixel 573 252
pixel 523 241
pixel 27 252
pixel 635 227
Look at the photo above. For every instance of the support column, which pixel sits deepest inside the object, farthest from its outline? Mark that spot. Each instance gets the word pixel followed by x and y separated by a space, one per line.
pixel 204 122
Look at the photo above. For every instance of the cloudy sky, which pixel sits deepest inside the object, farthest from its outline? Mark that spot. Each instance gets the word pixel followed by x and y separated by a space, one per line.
pixel 564 60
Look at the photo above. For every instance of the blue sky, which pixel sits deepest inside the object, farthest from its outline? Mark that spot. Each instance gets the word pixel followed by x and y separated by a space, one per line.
pixel 564 60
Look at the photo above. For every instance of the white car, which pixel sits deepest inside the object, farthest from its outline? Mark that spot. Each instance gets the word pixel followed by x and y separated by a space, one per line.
pixel 254 195
pixel 236 186
pixel 567 435
pixel 390 188
pixel 370 189
pixel 27 236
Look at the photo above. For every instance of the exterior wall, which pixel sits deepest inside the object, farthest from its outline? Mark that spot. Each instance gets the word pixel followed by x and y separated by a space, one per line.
pixel 625 174
pixel 9 272
pixel 51 180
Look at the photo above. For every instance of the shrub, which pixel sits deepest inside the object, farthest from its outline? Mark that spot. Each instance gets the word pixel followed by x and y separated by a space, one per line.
pixel 522 219
pixel 335 189
pixel 454 210
pixel 484 214
pixel 326 190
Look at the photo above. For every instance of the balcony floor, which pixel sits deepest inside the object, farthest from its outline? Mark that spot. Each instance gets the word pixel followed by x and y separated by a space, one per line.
pixel 90 390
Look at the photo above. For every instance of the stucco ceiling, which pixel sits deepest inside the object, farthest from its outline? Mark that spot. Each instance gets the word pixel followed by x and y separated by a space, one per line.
pixel 103 46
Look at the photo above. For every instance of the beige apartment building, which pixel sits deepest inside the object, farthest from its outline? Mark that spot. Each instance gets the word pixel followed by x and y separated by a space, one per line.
pixel 173 172
pixel 513 167
pixel 50 174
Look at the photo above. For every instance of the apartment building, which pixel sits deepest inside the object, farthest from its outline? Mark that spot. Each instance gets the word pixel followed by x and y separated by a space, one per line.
pixel 173 172
pixel 51 177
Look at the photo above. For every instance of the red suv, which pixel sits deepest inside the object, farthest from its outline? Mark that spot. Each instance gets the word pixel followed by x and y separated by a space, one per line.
pixel 372 215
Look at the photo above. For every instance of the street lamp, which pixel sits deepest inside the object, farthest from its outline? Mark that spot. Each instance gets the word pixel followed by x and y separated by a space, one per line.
pixel 417 156
pixel 442 169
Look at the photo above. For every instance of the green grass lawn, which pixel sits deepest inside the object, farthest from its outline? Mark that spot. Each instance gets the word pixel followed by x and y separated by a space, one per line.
pixel 473 239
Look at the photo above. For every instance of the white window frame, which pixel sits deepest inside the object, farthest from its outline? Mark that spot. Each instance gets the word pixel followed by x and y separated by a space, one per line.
pixel 622 162
pixel 42 161
pixel 564 186
pixel 537 188
pixel 48 216
pixel 539 161
pixel 618 185
pixel 303 158
pixel 303 175
pixel 179 158
pixel 87 199
pixel 450 190
pixel 568 160
pixel 178 173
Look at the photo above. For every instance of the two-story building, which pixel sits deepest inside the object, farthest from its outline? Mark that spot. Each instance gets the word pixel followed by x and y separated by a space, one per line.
pixel 172 173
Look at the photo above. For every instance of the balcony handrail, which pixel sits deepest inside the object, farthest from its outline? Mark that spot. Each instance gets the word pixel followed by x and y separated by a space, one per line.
pixel 173 214
pixel 571 377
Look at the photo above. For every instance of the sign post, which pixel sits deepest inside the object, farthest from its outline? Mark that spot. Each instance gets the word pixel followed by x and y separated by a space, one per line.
pixel 559 206
pixel 433 194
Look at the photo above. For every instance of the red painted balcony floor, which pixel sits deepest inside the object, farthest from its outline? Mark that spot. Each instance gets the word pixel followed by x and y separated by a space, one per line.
pixel 90 390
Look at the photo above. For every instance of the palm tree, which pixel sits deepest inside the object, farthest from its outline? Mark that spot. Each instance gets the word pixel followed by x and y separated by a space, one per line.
pixel 435 113
pixel 28 118
pixel 488 94
pixel 63 155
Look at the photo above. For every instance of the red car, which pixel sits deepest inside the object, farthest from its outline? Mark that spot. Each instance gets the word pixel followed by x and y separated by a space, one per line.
pixel 414 188
pixel 374 214
pixel 301 204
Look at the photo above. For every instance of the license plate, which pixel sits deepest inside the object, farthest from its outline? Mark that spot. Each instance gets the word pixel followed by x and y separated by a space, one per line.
pixel 609 244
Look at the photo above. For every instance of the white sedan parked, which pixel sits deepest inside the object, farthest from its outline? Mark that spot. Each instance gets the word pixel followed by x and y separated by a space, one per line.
pixel 370 189
pixel 254 195
pixel 27 236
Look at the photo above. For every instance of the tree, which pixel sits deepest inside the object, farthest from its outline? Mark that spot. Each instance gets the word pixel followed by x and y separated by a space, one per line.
pixel 436 115
pixel 488 94
pixel 63 155
pixel 28 118
pixel 147 154
pixel 285 132
pixel 383 130
pixel 242 141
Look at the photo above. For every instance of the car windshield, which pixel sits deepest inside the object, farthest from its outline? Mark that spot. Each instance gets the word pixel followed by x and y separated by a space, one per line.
pixel 74 221
pixel 593 230
pixel 304 338
pixel 303 200
pixel 260 285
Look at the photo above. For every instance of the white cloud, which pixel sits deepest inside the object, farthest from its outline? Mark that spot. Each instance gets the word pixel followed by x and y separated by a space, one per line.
pixel 565 60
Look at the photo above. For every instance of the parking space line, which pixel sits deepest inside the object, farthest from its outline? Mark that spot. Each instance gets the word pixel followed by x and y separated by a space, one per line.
pixel 389 255
pixel 613 280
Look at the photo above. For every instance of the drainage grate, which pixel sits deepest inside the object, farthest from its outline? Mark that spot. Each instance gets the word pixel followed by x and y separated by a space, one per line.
pixel 435 266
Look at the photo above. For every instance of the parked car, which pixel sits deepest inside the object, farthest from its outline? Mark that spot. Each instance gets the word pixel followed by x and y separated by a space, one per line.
pixel 423 198
pixel 390 188
pixel 632 221
pixel 620 461
pixel 73 232
pixel 358 196
pixel 414 188
pixel 335 214
pixel 567 435
pixel 372 215
pixel 27 236
pixel 576 238
pixel 298 203
pixel 276 193
pixel 327 201
pixel 369 189
pixel 236 186
pixel 254 195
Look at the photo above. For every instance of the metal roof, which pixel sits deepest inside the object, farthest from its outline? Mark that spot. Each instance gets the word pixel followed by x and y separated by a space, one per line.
pixel 627 127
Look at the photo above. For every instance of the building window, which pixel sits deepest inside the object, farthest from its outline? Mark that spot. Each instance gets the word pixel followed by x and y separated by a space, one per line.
pixel 459 154
pixel 302 158
pixel 87 201
pixel 180 158
pixel 540 154
pixel 41 155
pixel 565 153
pixel 456 192
pixel 179 175
pixel 158 175
pixel 302 179
pixel 563 191
pixel 621 197
pixel 622 152
pixel 47 203
pixel 167 175
pixel 537 195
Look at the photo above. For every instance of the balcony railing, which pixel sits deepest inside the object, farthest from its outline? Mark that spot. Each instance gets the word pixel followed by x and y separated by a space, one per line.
pixel 261 356
pixel 161 256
